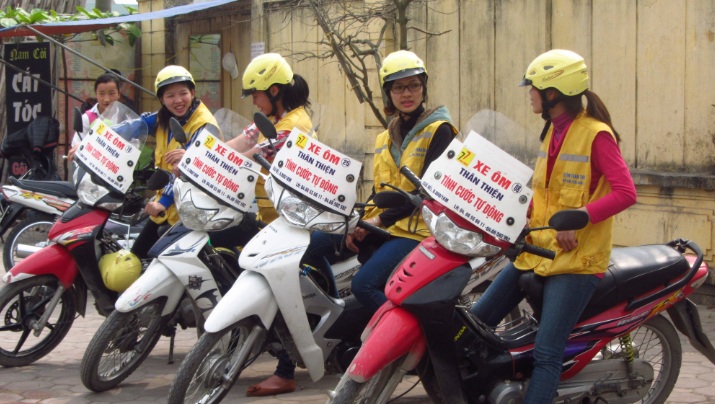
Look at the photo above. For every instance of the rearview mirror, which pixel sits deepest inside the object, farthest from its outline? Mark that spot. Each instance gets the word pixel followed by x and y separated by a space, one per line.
pixel 571 219
pixel 158 180
pixel 177 131
pixel 389 199
pixel 264 124
pixel 77 125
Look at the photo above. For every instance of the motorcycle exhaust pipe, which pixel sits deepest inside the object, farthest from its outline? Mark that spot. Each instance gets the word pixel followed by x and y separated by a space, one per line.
pixel 24 250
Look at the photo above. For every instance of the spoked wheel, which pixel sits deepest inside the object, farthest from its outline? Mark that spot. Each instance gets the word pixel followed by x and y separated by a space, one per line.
pixel 377 390
pixel 656 342
pixel 27 237
pixel 22 304
pixel 215 363
pixel 120 345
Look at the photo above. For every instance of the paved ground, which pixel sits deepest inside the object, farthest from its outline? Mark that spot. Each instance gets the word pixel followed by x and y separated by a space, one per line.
pixel 55 378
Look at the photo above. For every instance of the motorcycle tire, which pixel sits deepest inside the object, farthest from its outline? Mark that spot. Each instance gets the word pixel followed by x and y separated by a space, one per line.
pixel 31 233
pixel 657 342
pixel 377 390
pixel 21 304
pixel 120 345
pixel 201 376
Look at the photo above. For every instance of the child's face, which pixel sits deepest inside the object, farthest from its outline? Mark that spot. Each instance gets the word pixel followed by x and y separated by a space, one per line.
pixel 106 94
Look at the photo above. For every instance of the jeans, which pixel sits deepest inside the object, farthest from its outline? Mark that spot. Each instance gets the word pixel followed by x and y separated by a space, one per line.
pixel 565 297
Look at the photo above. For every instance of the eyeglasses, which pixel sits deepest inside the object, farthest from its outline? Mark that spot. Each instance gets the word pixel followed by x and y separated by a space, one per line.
pixel 398 89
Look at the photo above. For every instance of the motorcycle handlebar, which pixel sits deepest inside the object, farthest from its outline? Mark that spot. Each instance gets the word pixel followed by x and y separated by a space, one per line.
pixel 541 252
pixel 258 157
pixel 378 231
pixel 404 170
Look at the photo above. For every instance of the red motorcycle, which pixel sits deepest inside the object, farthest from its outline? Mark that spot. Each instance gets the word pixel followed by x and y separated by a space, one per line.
pixel 622 350
pixel 43 293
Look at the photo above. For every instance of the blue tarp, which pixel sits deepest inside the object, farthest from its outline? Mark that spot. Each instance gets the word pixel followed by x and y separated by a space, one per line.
pixel 70 27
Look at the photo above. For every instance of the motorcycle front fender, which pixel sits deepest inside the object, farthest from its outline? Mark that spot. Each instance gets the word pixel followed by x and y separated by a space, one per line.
pixel 52 260
pixel 157 281
pixel 249 296
pixel 396 334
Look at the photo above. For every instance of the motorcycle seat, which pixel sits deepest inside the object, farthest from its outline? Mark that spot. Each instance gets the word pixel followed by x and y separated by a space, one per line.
pixel 632 272
pixel 63 189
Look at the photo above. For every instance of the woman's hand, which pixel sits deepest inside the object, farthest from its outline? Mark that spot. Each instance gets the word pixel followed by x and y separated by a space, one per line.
pixel 567 239
pixel 154 208
pixel 173 157
pixel 359 234
pixel 70 154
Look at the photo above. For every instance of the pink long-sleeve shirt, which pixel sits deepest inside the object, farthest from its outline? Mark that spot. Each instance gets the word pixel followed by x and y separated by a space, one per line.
pixel 606 160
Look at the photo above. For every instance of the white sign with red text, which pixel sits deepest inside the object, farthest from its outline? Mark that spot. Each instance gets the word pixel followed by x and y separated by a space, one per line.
pixel 483 184
pixel 220 170
pixel 109 156
pixel 318 171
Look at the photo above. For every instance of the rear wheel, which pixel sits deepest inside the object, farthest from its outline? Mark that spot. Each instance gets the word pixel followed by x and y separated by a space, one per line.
pixel 21 305
pixel 215 363
pixel 26 237
pixel 377 390
pixel 120 345
pixel 656 342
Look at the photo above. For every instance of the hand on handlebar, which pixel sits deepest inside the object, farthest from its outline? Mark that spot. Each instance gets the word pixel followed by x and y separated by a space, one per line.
pixel 173 157
pixel 359 234
pixel 154 209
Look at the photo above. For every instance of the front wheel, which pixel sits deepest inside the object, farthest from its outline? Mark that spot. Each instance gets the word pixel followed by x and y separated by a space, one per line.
pixel 120 345
pixel 26 237
pixel 22 304
pixel 656 342
pixel 377 390
pixel 213 365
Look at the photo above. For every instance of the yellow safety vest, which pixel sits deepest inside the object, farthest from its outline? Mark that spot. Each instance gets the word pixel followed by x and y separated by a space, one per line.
pixel 296 118
pixel 387 171
pixel 568 188
pixel 199 118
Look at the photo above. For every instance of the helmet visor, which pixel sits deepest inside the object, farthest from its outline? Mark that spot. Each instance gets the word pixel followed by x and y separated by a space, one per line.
pixel 525 82
pixel 403 73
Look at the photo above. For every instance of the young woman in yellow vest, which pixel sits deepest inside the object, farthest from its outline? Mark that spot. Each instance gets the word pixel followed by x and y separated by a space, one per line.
pixel 175 88
pixel 579 166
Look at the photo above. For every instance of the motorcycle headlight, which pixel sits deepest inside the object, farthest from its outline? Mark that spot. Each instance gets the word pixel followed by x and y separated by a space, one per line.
pixel 455 238
pixel 268 186
pixel 296 210
pixel 199 211
pixel 90 193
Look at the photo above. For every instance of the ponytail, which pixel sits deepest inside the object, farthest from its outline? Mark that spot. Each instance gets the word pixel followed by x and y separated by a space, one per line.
pixel 296 94
pixel 595 109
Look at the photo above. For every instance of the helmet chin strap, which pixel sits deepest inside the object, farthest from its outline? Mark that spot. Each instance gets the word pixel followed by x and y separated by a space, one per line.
pixel 546 106
pixel 274 100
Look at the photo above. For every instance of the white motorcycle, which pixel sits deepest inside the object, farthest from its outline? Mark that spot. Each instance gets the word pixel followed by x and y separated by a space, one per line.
pixel 276 301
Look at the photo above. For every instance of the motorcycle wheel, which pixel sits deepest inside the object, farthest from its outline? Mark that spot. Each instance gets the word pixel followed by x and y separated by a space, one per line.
pixel 26 236
pixel 377 390
pixel 120 345
pixel 202 376
pixel 21 305
pixel 657 342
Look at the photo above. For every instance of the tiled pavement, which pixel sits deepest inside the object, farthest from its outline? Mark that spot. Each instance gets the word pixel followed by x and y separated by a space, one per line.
pixel 55 378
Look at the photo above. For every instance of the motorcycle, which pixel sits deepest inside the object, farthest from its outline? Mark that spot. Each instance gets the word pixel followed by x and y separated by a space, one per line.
pixel 42 294
pixel 276 301
pixel 622 350
pixel 188 276
pixel 30 208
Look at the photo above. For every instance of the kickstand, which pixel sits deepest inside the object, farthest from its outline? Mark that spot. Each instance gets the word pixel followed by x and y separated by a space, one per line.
pixel 171 346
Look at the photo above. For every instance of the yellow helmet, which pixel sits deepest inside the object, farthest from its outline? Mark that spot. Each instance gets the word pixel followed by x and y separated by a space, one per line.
pixel 264 71
pixel 560 69
pixel 119 270
pixel 401 64
pixel 170 75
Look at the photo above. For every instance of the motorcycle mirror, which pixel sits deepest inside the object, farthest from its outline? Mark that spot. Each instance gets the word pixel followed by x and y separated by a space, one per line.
pixel 264 124
pixel 389 199
pixel 77 120
pixel 177 131
pixel 570 219
pixel 158 180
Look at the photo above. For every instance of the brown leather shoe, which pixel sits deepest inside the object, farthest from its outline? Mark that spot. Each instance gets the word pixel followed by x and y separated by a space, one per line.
pixel 272 386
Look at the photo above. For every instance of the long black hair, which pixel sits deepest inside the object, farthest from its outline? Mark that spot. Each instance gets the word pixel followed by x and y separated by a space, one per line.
pixel 595 108
pixel 293 95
